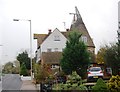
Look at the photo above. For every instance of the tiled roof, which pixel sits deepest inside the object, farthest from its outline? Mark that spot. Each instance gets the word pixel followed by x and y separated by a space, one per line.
pixel 82 29
pixel 51 57
pixel 40 38
pixel 77 24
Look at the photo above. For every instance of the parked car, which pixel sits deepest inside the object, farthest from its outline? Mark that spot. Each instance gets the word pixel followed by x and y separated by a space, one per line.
pixel 94 73
pixel 109 71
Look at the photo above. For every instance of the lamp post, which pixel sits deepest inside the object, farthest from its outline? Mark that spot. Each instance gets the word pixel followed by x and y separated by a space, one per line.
pixel 1 72
pixel 30 42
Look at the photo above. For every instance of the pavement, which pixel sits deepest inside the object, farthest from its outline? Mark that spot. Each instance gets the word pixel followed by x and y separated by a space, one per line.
pixel 28 85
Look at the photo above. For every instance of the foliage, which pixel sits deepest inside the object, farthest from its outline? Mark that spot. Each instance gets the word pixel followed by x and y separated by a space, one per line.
pixel 60 73
pixel 101 55
pixel 110 55
pixel 16 68
pixel 75 55
pixel 114 84
pixel 8 67
pixel 37 72
pixel 112 58
pixel 23 58
pixel 91 57
pixel 11 67
pixel 74 78
pixel 41 72
pixel 100 86
pixel 118 44
pixel 23 70
pixel 74 82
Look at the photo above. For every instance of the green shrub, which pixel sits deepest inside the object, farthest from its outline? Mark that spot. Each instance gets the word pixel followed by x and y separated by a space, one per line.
pixel 81 87
pixel 114 84
pixel 74 82
pixel 23 70
pixel 100 86
pixel 74 78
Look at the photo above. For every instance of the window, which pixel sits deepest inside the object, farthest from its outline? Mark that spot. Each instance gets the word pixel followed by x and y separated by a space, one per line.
pixel 54 66
pixel 56 49
pixel 49 50
pixel 57 38
pixel 84 39
pixel 95 69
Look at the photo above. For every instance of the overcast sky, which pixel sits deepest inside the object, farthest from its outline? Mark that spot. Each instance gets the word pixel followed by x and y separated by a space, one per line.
pixel 99 16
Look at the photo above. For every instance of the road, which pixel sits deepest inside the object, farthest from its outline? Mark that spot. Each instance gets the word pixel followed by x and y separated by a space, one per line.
pixel 0 86
pixel 11 82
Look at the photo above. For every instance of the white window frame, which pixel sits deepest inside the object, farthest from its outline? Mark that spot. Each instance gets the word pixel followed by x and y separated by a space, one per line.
pixel 84 39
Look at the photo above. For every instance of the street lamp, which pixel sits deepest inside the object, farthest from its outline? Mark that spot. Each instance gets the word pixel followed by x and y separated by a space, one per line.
pixel 1 71
pixel 30 42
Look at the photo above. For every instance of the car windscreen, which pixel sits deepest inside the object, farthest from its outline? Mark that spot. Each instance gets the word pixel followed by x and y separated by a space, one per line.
pixel 94 69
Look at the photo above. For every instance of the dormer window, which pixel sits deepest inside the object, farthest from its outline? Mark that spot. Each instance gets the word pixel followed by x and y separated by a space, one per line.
pixel 56 38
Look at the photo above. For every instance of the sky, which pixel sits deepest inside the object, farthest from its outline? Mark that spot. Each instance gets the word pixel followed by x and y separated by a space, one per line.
pixel 99 16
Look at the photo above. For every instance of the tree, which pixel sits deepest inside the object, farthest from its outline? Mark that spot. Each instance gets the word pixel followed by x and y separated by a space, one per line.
pixel 101 55
pixel 11 67
pixel 100 86
pixel 16 68
pixel 112 58
pixel 23 70
pixel 23 58
pixel 8 68
pixel 114 84
pixel 41 72
pixel 75 55
pixel 118 44
pixel 109 54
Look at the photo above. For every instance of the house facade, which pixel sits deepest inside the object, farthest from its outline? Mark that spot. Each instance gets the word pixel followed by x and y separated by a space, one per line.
pixel 51 45
pixel 55 42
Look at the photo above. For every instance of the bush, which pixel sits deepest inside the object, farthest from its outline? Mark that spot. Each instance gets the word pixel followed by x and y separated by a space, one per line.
pixel 23 70
pixel 74 82
pixel 100 86
pixel 114 83
pixel 74 78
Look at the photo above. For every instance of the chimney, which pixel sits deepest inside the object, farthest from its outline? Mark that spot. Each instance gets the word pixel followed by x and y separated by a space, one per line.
pixel 67 29
pixel 49 31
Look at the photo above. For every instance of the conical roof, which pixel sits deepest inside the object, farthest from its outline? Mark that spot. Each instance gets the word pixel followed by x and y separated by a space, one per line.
pixel 78 25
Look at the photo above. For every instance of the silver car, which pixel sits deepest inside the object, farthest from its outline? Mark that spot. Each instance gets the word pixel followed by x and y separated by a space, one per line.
pixel 94 73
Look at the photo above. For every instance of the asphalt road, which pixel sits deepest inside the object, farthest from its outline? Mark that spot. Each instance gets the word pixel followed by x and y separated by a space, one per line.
pixel 0 86
pixel 11 82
